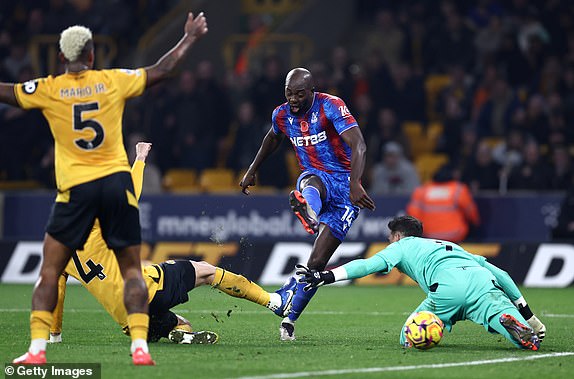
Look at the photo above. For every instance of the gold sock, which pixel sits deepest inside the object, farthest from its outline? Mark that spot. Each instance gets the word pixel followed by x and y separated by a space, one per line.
pixel 40 322
pixel 58 313
pixel 138 324
pixel 239 286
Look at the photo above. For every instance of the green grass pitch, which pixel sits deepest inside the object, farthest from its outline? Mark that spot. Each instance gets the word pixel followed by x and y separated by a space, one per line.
pixel 345 329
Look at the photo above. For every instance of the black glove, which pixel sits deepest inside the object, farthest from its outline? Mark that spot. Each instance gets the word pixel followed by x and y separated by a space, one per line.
pixel 314 278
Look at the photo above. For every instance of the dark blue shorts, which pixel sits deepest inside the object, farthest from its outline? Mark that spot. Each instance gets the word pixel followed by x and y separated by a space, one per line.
pixel 338 213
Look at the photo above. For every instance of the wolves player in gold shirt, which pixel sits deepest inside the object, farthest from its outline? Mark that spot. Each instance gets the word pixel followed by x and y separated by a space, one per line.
pixel 168 283
pixel 84 109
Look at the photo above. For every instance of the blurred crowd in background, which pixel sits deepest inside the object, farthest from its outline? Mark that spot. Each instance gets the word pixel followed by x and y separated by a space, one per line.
pixel 489 84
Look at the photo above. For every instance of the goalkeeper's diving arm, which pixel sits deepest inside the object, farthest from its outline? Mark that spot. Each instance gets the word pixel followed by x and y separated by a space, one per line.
pixel 352 270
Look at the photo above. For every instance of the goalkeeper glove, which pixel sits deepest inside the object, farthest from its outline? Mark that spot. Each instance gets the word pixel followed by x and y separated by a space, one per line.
pixel 524 309
pixel 314 278
pixel 538 326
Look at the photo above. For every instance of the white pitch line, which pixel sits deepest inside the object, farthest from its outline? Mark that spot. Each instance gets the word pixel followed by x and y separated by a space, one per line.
pixel 556 315
pixel 370 370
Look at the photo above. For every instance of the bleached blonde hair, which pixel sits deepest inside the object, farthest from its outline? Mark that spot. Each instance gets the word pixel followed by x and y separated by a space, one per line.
pixel 73 40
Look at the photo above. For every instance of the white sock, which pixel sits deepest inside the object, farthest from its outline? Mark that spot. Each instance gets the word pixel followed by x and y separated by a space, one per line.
pixel 37 345
pixel 274 301
pixel 288 321
pixel 137 343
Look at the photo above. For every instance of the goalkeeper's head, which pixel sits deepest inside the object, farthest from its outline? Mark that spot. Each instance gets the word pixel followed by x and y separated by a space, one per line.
pixel 405 226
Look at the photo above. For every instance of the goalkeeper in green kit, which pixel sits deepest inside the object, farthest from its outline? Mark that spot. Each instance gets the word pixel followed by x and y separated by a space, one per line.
pixel 459 285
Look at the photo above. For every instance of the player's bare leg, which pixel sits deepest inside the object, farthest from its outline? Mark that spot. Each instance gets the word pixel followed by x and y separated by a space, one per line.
pixel 136 302
pixel 239 286
pixel 234 285
pixel 323 249
pixel 44 299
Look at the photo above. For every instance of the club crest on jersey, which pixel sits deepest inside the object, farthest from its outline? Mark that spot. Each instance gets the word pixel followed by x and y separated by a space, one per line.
pixel 314 117
pixel 30 87
pixel 304 126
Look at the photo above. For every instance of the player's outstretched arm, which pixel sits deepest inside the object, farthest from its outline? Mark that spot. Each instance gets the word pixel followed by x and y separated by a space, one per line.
pixel 357 268
pixel 7 94
pixel 270 143
pixel 354 138
pixel 194 29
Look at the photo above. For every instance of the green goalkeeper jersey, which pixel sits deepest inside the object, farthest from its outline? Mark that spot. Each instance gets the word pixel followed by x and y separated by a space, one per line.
pixel 466 286
pixel 423 259
pixel 420 258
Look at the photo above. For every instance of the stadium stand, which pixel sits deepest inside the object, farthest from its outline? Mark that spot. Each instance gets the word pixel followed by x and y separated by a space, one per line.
pixel 180 180
pixel 489 67
pixel 217 180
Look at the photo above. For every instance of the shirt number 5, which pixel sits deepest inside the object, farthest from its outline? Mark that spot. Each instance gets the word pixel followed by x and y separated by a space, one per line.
pixel 80 124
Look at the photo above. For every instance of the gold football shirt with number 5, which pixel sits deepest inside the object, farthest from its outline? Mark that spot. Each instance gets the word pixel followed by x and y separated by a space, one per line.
pixel 85 112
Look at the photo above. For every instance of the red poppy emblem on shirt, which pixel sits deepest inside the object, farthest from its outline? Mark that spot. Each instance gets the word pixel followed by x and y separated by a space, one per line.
pixel 304 126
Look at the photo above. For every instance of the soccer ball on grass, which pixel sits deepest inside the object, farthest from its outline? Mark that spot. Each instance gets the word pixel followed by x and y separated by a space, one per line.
pixel 423 330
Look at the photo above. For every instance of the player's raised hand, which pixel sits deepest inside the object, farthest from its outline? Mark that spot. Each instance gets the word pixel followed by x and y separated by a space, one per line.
pixel 142 150
pixel 314 278
pixel 248 180
pixel 360 198
pixel 195 27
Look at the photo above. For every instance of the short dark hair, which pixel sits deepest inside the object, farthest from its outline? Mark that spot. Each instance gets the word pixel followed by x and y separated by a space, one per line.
pixel 86 50
pixel 408 226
